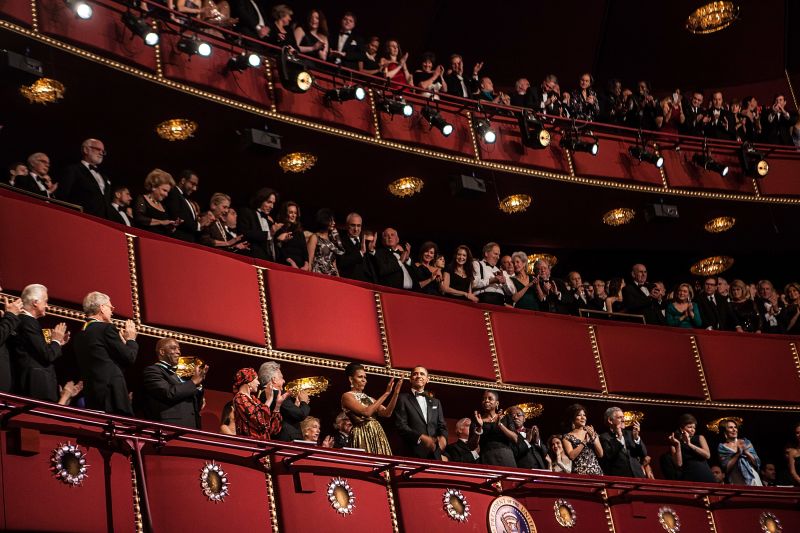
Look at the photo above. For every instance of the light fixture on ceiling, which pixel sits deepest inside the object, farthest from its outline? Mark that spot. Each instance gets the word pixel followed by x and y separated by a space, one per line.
pixel 294 75
pixel 343 94
pixel 515 203
pixel 243 61
pixel 140 27
pixel 392 106
pixel 297 162
pixel 550 259
pixel 720 224
pixel 484 131
pixel 619 216
pixel 176 129
pixel 711 266
pixel 82 9
pixel 532 131
pixel 436 120
pixel 194 46
pixel 712 17
pixel 43 91
pixel 754 163
pixel 406 186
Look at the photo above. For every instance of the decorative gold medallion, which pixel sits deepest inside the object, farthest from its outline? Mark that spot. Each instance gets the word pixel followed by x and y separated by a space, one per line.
pixel 311 386
pixel 714 424
pixel 669 520
pixel 631 417
pixel 341 496
pixel 68 464
pixel 48 335
pixel 770 523
pixel 507 515
pixel 455 505
pixel 214 482
pixel 565 513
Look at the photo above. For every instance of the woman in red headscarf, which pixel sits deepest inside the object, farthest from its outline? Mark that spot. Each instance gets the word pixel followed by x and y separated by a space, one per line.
pixel 253 418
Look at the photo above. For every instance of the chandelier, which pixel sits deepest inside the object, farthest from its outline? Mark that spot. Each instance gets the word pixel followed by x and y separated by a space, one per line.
pixel 532 258
pixel 711 266
pixel 714 16
pixel 407 186
pixel 516 203
pixel 297 162
pixel 43 91
pixel 720 224
pixel 176 129
pixel 619 216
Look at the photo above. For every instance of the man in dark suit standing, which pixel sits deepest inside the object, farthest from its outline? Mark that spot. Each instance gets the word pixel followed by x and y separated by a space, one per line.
pixel 120 210
pixel 420 420
pixel 557 298
pixel 636 295
pixel 179 207
pixel 457 84
pixel 33 354
pixel 255 224
pixel 346 47
pixel 84 185
pixel 715 310
pixel 393 264
pixel 460 450
pixel 168 398
pixel 35 181
pixel 253 20
pixel 102 352
pixel 356 262
pixel 623 449
pixel 343 427
pixel 9 321
pixel 695 115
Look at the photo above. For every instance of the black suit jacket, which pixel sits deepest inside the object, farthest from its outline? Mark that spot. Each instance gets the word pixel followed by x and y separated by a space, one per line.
pixel 538 102
pixel 292 415
pixel 101 355
pixel 8 326
pixel 454 85
pixel 352 264
pixel 340 440
pixel 389 272
pixel 168 399
pixel 717 315
pixel 249 226
pixel 459 452
pixel 717 129
pixel 693 125
pixel 115 216
pixel 177 207
pixel 634 300
pixel 619 460
pixel 28 183
pixel 77 185
pixel 563 306
pixel 410 423
pixel 353 49
pixel 248 17
pixel 653 314
pixel 33 361
pixel 528 456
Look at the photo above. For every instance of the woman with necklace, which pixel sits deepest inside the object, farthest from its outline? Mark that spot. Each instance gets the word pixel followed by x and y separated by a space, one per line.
pixel 362 409
pixel 526 296
pixel 149 212
pixel 582 445
pixel 457 277
pixel 683 312
pixel 493 431
pixel 737 457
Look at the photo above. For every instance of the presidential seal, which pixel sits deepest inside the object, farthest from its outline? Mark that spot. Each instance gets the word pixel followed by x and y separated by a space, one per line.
pixel 507 515
pixel 341 496
pixel 565 513
pixel 455 505
pixel 68 464
pixel 669 520
pixel 214 482
pixel 770 523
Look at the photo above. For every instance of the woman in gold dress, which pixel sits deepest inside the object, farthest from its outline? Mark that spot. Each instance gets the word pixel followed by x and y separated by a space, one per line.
pixel 361 409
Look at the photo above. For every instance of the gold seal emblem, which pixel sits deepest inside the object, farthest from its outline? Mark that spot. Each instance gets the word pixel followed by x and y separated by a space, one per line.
pixel 507 515
pixel 669 520
pixel 565 513
pixel 770 523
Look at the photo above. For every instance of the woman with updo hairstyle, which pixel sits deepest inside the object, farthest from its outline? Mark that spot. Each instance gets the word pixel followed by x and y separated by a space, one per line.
pixel 362 410
pixel 582 445
pixel 492 428
pixel 526 296
pixel 149 211
pixel 614 303
pixel 309 427
pixel 690 452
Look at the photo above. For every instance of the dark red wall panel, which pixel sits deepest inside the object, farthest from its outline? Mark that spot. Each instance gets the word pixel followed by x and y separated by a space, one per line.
pixel 782 177
pixel 192 288
pixel 69 253
pixel 641 515
pixel 748 519
pixel 17 11
pixel 736 367
pixel 509 149
pixel 613 162
pixel 648 360
pixel 312 314
pixel 589 511
pixel 444 336
pixel 526 344
pixel 416 130
pixel 104 31
pixel 682 172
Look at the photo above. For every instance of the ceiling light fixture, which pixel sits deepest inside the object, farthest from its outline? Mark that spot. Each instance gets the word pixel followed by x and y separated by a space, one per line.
pixel 711 266
pixel 712 17
pixel 720 224
pixel 516 203
pixel 619 216
pixel 405 187
pixel 297 162
pixel 43 91
pixel 176 129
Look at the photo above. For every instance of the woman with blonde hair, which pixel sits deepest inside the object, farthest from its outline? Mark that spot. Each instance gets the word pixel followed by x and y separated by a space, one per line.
pixel 149 211
pixel 682 312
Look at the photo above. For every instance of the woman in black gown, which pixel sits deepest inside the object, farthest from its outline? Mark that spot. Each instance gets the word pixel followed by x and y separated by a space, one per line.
pixel 290 237
pixel 149 212
pixel 312 37
pixel 690 451
pixel 492 430
pixel 457 277
pixel 428 275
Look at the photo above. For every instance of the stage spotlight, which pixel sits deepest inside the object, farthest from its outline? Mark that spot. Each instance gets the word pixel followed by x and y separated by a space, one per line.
pixel 708 163
pixel 395 107
pixel 81 8
pixel 643 154
pixel 294 75
pixel 342 94
pixel 754 163
pixel 435 119
pixel 483 128
pixel 574 144
pixel 141 28
pixel 532 131
pixel 192 45
pixel 244 61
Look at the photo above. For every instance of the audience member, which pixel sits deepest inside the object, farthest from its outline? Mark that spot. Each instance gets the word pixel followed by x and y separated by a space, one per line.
pixel 489 283
pixel 547 97
pixel 636 294
pixel 776 122
pixel 69 392
pixel 694 115
pixel 294 408
pixel 256 224
pixel 598 301
pixel 457 84
pixel 744 308
pixel 552 293
pixel 486 92
pixel 791 476
pixel 218 234
pixel 179 207
pixel 738 457
pixel 252 20
pixel 690 451
pixel 343 427
pixel 324 245
pixel 9 322
pixel 790 317
pixel 523 95
pixel 682 312
pixel 428 276
pixel 769 307
pixel 655 314
pixel 582 445
pixel 457 277
pixel 672 117
pixel 102 352
pixel 719 475
pixel 558 460
pixel 33 181
pixel 719 122
pixel 493 433
pixel 723 288
pixel 393 63
pixel 419 418
pixel 461 451
pixel 393 262
pixel 715 311
pixel 14 170
pixel 768 474
pixel 577 291
pixel 585 104
pixel 311 37
pixel 428 78
pixel 253 418
pixel 526 295
pixel 279 26
pixel 347 49
pixel 528 450
pixel 623 449
pixel 120 210
pixel 227 425
pixel 310 429
pixel 369 60
pixel 367 432
pixel 290 237
pixel 356 261
pixel 83 183
pixel 750 115
pixel 149 211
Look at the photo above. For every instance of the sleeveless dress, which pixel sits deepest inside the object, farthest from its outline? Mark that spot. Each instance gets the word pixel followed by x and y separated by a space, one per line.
pixel 367 431
pixel 695 467
pixel 399 79
pixel 529 300
pixel 460 284
pixel 586 461
pixel 325 255
pixel 495 446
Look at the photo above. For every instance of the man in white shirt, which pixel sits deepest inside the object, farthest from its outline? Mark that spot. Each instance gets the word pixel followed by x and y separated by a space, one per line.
pixel 83 184
pixel 120 206
pixel 460 451
pixel 393 262
pixel 489 283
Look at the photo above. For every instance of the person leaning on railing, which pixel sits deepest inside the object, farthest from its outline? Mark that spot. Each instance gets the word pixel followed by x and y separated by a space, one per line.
pixel 311 37
pixel 310 429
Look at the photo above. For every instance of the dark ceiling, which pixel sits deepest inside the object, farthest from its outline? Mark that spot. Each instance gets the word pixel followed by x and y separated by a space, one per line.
pixel 565 218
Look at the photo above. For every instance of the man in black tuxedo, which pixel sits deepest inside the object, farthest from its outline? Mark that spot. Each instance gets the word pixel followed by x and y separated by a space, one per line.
pixel 523 95
pixel 715 310
pixel 721 122
pixel 577 290
pixel 346 47
pixel 460 450
pixel 694 114
pixel 343 427
pixel 528 450
pixel 179 207
pixel 457 84
pixel 655 314
pixel 776 122
pixel 623 449
pixel 9 321
pixel 255 224
pixel 102 352
pixel 84 185
pixel 253 19
pixel 33 355
pixel 419 419
pixel 35 181
pixel 356 262
pixel 168 398
pixel 293 410
pixel 546 98
pixel 120 210
pixel 636 295
pixel 393 263
pixel 557 298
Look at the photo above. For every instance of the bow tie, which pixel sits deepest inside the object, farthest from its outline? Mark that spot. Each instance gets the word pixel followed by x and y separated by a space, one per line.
pixel 397 252
pixel 93 167
pixel 418 394
pixel 262 215
pixel 344 33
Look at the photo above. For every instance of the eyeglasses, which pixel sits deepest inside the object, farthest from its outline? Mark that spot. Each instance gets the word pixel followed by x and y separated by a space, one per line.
pixel 708 284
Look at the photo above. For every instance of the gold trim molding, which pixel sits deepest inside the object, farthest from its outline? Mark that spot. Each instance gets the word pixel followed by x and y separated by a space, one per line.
pixel 138 523
pixel 387 478
pixel 598 361
pixel 273 506
pixel 698 361
pixel 387 355
pixel 487 319
pixel 262 295
pixel 137 316
pixel 607 510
